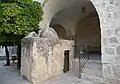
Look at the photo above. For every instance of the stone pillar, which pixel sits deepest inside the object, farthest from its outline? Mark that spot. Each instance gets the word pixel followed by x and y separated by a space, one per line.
pixel 109 14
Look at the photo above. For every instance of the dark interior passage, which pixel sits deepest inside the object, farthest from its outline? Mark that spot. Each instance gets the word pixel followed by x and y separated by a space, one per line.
pixel 95 56
pixel 66 61
pixel 88 33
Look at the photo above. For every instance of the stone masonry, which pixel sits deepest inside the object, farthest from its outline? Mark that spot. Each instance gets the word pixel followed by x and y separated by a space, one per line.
pixel 108 11
pixel 43 59
pixel 109 15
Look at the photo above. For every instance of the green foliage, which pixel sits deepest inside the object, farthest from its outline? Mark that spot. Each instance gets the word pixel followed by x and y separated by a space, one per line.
pixel 11 1
pixel 18 19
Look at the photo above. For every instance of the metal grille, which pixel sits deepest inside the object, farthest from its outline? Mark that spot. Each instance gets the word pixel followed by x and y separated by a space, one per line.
pixel 81 52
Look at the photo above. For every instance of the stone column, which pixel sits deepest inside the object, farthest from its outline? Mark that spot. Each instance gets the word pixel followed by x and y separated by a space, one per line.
pixel 109 14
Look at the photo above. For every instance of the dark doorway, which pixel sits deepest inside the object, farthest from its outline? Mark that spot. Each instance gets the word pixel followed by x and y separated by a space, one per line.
pixel 66 61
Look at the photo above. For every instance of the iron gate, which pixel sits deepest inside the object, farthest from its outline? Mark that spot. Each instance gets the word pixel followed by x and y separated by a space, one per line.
pixel 81 53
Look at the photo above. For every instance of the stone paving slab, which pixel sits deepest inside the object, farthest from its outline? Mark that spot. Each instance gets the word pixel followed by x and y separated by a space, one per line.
pixel 69 78
pixel 10 75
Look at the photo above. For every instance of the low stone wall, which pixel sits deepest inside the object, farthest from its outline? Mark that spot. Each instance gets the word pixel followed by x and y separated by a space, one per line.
pixel 41 60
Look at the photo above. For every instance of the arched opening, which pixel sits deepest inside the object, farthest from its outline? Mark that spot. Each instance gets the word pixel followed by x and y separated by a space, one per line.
pixel 60 31
pixel 88 33
pixel 82 25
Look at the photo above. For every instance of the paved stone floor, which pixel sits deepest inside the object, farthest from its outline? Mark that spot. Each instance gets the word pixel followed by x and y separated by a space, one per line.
pixel 69 78
pixel 10 75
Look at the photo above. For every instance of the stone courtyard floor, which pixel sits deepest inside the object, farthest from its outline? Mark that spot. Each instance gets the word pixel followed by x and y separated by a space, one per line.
pixel 69 78
pixel 10 75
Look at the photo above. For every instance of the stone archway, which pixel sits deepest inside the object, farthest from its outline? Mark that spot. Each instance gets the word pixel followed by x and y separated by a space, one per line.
pixel 78 12
pixel 53 7
pixel 108 13
pixel 82 13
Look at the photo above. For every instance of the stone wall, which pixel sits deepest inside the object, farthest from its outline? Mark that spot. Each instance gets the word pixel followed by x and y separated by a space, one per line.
pixel 26 53
pixel 42 60
pixel 109 14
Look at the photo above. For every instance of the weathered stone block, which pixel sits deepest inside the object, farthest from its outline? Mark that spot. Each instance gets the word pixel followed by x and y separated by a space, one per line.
pixel 108 59
pixel 117 31
pixel 113 40
pixel 118 50
pixel 108 51
pixel 116 70
pixel 105 41
pixel 42 61
pixel 108 32
pixel 111 73
pixel 107 70
pixel 117 60
pixel 116 14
